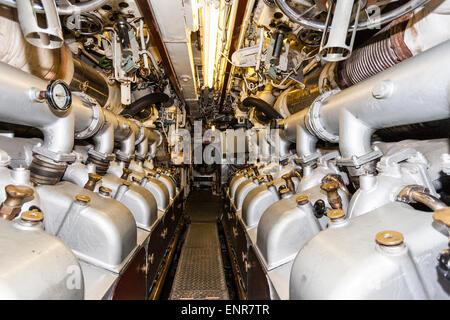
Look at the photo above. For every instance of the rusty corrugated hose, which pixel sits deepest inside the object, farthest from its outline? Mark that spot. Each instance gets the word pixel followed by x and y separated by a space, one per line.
pixel 385 49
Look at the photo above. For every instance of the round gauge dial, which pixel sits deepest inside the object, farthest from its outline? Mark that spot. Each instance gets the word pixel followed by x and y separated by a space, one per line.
pixel 58 95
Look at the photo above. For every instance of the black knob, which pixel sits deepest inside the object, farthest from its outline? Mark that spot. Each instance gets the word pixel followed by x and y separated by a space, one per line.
pixel 444 263
pixel 319 209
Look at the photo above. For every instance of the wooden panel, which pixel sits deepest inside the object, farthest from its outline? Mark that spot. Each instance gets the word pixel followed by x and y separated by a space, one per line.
pixel 257 283
pixel 156 251
pixel 132 283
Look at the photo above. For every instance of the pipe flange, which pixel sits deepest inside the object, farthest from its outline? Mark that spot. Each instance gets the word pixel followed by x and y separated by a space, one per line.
pixel 141 132
pixel 357 162
pixel 312 119
pixel 122 156
pixel 139 157
pixel 101 156
pixel 160 140
pixel 303 160
pixel 55 156
pixel 98 120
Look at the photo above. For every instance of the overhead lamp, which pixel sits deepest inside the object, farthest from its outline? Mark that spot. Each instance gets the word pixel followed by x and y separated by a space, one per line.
pixel 210 17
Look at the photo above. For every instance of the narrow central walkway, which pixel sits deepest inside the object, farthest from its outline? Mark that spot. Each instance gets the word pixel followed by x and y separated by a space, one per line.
pixel 200 273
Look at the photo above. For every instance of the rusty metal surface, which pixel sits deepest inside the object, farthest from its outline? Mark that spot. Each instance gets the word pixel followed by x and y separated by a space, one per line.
pixel 200 272
pixel 385 49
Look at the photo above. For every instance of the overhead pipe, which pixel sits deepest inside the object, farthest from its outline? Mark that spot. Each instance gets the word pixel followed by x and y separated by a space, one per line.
pixel 416 90
pixel 262 106
pixel 64 11
pixel 399 40
pixel 48 37
pixel 145 102
pixel 386 17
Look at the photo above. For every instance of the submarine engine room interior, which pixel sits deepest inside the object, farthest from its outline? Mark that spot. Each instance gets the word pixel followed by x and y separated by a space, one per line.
pixel 224 149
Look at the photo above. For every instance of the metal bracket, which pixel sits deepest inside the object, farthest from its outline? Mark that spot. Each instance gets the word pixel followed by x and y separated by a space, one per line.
pixel 357 162
pixel 102 156
pixel 58 157
pixel 97 122
pixel 323 160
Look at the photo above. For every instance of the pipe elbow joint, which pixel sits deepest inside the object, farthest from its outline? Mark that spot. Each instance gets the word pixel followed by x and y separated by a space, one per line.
pixel 58 139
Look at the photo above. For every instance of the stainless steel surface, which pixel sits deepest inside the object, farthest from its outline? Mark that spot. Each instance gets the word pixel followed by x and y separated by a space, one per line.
pixel 102 232
pixel 346 263
pixel 55 271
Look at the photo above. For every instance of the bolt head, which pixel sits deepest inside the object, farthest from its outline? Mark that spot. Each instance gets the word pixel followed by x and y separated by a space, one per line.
pixel 383 89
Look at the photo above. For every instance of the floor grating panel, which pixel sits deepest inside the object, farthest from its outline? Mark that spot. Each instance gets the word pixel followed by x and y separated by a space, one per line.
pixel 200 272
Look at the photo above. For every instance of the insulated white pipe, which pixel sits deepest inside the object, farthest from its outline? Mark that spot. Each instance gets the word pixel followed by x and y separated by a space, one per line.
pixel 413 91
pixel 18 105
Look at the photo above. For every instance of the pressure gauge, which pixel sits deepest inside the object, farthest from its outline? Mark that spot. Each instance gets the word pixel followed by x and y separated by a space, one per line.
pixel 58 95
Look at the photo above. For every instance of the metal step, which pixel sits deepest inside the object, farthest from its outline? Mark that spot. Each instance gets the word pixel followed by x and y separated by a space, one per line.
pixel 200 274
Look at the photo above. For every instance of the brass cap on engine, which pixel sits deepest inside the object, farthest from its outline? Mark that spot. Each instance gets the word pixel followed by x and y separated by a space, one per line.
pixel 105 191
pixel 32 216
pixel 302 200
pixel 82 199
pixel 389 238
pixel 126 183
pixel 442 216
pixel 336 214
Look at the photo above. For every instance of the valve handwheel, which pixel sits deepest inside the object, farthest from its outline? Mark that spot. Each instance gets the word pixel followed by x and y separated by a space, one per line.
pixel 310 23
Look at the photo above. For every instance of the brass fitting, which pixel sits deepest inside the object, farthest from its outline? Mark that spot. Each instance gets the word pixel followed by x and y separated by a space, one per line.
pixel 92 182
pixel 82 199
pixel 106 192
pixel 16 196
pixel 442 216
pixel 331 188
pixel 125 173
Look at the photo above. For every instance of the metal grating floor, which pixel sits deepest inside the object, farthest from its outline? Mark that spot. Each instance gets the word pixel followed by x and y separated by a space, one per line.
pixel 200 272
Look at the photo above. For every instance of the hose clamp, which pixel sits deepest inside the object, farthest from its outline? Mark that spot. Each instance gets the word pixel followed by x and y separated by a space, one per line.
pixel 98 119
pixel 141 131
pixel 358 162
pixel 101 156
pixel 312 119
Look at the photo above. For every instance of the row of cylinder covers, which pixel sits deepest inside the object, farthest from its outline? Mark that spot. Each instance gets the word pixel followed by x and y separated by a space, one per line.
pixel 387 236
pixel 80 221
pixel 315 240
